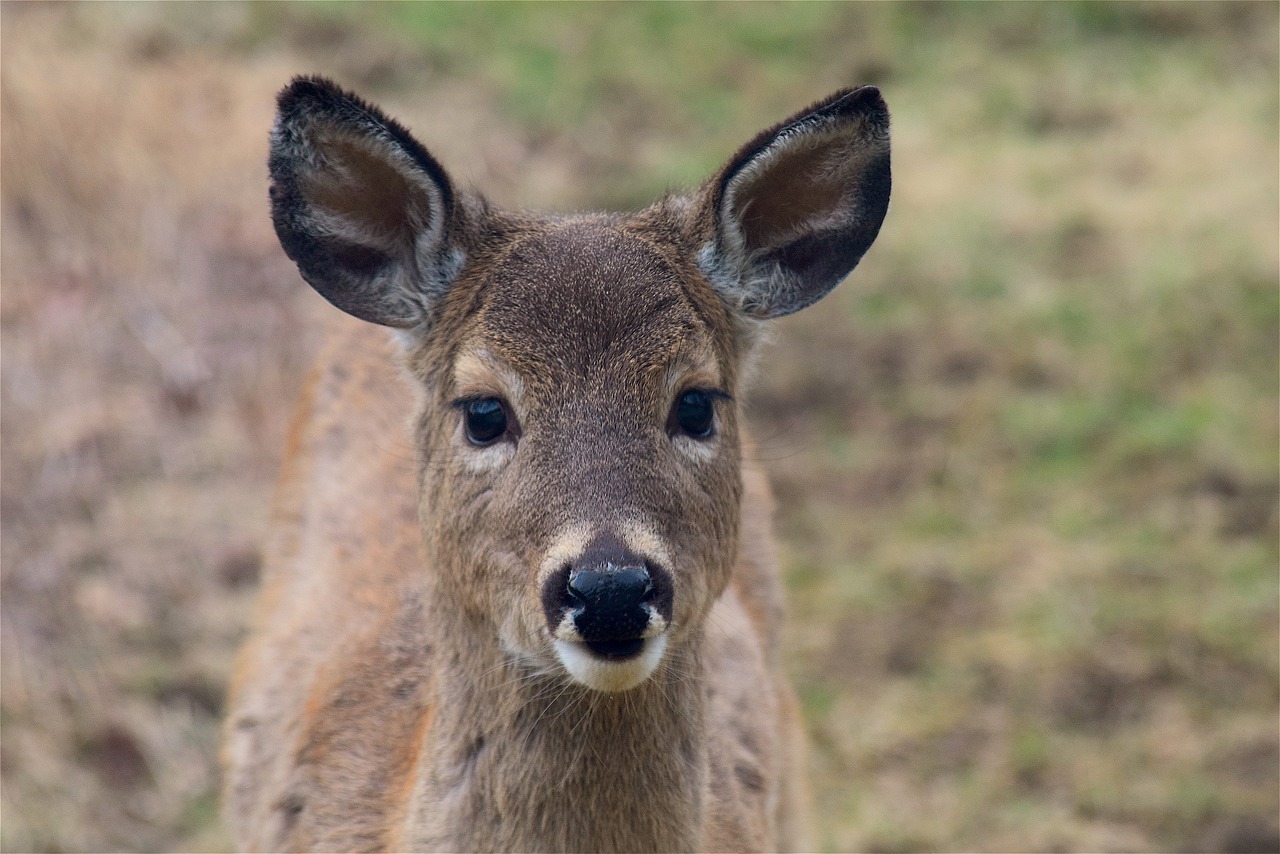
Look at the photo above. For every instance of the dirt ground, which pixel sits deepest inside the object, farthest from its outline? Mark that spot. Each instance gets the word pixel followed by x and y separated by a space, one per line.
pixel 1029 532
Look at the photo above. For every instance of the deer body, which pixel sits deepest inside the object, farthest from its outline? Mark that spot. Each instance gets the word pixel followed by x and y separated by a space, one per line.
pixel 521 593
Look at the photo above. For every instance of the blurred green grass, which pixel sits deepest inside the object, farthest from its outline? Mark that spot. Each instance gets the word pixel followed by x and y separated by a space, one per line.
pixel 1026 457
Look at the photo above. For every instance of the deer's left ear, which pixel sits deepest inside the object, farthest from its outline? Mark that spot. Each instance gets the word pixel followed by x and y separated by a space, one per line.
pixel 795 209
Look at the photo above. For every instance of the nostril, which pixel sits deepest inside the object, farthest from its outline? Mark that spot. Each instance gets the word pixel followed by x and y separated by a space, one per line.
pixel 557 598
pixel 574 595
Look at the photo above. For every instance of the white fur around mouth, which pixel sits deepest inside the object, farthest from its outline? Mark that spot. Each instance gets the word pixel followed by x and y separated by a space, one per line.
pixel 610 675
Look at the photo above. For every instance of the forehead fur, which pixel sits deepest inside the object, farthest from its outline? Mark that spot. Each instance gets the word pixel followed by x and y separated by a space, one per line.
pixel 587 298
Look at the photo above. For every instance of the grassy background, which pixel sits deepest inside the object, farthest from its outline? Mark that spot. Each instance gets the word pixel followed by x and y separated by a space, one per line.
pixel 1026 457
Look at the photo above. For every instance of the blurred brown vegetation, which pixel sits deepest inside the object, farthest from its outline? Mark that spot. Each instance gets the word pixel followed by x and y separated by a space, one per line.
pixel 1026 458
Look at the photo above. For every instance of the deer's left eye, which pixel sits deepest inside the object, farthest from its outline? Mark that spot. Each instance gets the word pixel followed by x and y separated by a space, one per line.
pixel 693 414
pixel 485 419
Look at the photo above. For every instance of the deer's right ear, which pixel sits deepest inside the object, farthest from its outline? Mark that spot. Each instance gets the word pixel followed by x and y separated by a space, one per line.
pixel 360 206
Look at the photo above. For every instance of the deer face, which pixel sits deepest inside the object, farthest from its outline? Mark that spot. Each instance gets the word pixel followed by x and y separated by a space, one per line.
pixel 578 441
pixel 582 451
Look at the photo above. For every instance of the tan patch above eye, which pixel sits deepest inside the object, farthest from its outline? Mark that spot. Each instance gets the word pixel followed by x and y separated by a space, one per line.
pixel 476 372
pixel 695 368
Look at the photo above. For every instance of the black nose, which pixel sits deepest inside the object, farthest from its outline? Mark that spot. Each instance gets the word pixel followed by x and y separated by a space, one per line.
pixel 609 602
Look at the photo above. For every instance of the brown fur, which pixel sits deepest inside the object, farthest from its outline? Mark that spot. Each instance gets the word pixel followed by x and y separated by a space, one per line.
pixel 400 690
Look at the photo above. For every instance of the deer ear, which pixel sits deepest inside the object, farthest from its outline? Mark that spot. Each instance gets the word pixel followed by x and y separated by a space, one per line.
pixel 361 207
pixel 795 209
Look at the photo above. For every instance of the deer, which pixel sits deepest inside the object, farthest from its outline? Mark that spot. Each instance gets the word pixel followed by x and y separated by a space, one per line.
pixel 521 591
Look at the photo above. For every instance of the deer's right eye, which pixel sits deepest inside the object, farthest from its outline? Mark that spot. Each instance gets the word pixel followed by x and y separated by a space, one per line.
pixel 485 420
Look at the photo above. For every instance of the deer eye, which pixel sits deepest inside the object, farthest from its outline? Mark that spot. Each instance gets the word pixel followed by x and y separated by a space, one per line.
pixel 693 414
pixel 485 419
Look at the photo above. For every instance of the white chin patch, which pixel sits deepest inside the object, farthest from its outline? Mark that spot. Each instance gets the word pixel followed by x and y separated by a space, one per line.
pixel 610 675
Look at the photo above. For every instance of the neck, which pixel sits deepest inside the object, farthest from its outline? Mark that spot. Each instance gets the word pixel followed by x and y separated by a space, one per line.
pixel 519 760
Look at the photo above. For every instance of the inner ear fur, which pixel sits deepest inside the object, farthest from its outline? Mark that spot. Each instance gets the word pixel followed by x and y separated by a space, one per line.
pixel 797 207
pixel 361 207
pixel 360 191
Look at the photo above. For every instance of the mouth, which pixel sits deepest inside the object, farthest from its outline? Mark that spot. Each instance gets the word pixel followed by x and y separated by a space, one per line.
pixel 611 665
pixel 616 650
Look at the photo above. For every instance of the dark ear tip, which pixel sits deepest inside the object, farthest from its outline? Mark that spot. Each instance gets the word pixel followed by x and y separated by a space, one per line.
pixel 307 87
pixel 864 104
pixel 313 93
pixel 865 100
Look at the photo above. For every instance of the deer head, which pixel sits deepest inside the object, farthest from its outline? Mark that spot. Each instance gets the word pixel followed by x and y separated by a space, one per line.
pixel 579 431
